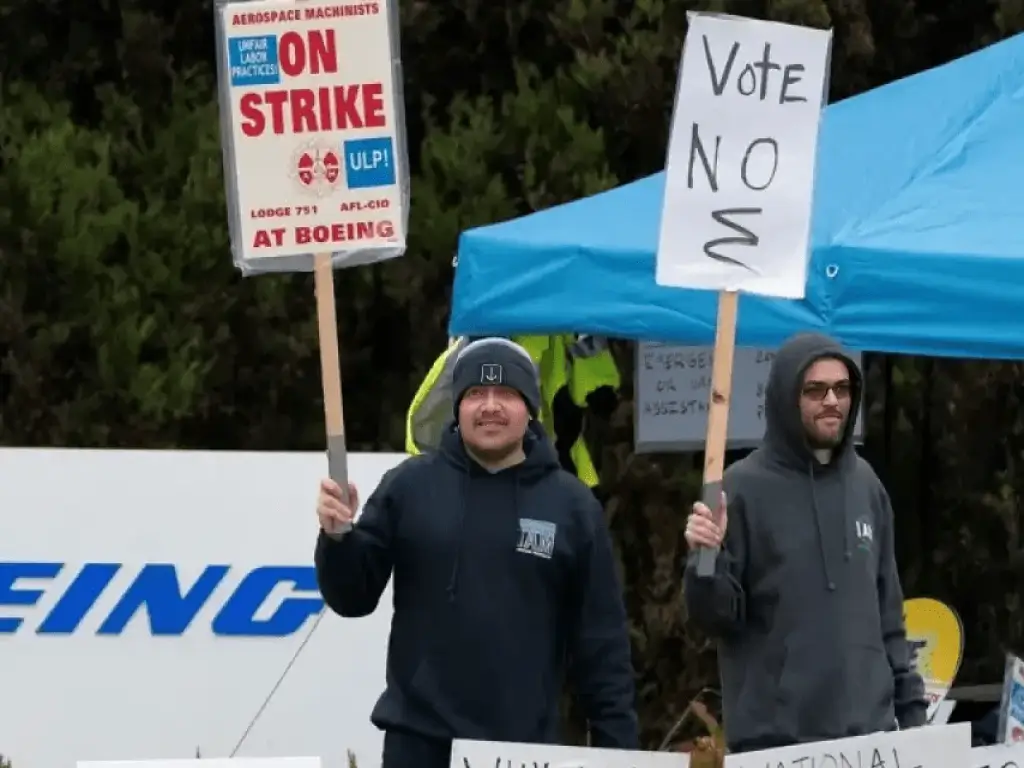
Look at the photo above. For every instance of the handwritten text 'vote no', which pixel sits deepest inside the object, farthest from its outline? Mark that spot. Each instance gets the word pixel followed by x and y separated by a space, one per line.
pixel 760 79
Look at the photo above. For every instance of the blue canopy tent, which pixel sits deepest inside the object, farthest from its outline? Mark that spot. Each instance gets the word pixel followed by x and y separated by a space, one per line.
pixel 918 236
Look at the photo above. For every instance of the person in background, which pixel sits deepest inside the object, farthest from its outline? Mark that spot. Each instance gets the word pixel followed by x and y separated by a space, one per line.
pixel 805 601
pixel 504 578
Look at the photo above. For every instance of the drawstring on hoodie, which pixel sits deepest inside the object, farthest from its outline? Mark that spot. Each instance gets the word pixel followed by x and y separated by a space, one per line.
pixel 787 444
pixel 453 580
pixel 540 459
pixel 830 582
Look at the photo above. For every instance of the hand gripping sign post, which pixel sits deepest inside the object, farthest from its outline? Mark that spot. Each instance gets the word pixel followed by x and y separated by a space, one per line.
pixel 313 130
pixel 739 181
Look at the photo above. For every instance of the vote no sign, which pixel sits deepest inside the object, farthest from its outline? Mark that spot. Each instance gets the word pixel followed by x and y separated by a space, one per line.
pixel 313 132
pixel 741 163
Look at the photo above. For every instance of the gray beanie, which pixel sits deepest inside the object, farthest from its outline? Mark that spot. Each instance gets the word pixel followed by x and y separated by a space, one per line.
pixel 494 361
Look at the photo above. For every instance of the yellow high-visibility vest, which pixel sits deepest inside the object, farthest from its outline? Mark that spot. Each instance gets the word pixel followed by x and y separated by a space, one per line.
pixel 581 364
pixel 431 406
pixel 591 367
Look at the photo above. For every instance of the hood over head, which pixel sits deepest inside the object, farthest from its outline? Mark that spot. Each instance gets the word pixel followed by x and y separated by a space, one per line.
pixel 784 432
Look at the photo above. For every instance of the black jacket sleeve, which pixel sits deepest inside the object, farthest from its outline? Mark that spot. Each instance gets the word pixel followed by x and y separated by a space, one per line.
pixel 718 605
pixel 352 572
pixel 602 663
pixel 910 702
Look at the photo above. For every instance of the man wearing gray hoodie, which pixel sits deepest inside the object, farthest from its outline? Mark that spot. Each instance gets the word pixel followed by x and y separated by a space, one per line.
pixel 805 600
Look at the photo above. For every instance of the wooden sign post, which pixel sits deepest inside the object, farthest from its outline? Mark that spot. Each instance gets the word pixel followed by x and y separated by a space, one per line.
pixel 739 183
pixel 330 369
pixel 313 189
pixel 718 413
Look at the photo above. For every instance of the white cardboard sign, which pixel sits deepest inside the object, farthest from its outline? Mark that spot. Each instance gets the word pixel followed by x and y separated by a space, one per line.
pixel 932 746
pixel 488 754
pixel 313 132
pixel 998 756
pixel 739 180
pixel 221 762
pixel 1011 707
pixel 673 388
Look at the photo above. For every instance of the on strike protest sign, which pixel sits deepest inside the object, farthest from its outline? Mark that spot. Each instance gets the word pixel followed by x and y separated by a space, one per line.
pixel 313 131
pixel 739 183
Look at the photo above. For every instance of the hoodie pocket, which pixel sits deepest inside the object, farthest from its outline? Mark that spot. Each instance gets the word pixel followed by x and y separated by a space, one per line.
pixel 759 710
pixel 871 687
pixel 810 697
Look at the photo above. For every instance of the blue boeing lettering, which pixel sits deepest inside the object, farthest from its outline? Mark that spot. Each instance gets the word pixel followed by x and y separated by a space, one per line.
pixel 156 587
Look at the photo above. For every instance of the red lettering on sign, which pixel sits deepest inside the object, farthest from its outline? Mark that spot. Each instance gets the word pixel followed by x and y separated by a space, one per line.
pixel 268 238
pixel 305 110
pixel 343 233
pixel 316 53
pixel 264 17
pixel 368 205
pixel 342 11
pixel 270 213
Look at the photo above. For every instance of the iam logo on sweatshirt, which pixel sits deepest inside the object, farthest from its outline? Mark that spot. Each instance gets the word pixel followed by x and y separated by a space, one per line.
pixel 536 537
pixel 865 534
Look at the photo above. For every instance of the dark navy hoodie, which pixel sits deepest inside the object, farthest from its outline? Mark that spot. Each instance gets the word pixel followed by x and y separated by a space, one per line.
pixel 504 583
pixel 806 601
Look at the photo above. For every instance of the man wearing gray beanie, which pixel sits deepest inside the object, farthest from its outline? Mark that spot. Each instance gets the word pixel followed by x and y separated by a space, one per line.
pixel 504 578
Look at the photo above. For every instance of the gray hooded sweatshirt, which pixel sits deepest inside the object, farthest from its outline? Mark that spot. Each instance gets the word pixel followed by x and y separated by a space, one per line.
pixel 806 601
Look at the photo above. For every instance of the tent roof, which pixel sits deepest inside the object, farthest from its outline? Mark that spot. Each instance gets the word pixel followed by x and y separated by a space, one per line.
pixel 916 235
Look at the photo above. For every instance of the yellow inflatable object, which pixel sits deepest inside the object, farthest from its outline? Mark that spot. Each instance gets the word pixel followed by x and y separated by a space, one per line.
pixel 934 631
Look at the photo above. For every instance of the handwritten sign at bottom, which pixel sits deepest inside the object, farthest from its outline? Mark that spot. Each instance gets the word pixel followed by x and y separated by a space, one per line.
pixel 214 762
pixel 932 746
pixel 998 756
pixel 501 754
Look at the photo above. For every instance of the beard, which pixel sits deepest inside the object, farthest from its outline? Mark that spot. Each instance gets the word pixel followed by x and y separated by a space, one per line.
pixel 820 442
pixel 818 439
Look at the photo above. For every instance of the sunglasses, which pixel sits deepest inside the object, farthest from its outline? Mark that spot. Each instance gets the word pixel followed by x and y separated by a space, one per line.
pixel 818 390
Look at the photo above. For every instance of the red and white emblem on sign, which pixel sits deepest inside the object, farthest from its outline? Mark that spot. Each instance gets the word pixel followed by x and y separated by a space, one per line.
pixel 316 168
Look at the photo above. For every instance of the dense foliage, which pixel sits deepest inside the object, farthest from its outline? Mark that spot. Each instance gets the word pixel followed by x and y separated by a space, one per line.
pixel 124 324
